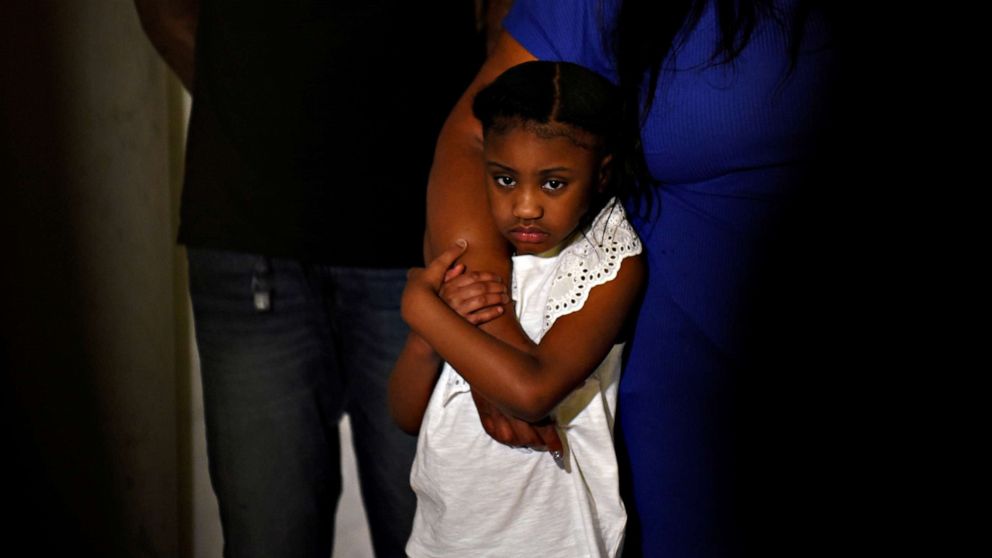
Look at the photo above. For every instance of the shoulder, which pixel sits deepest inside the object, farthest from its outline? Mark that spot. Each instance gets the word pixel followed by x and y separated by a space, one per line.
pixel 604 258
pixel 605 243
pixel 633 272
pixel 576 31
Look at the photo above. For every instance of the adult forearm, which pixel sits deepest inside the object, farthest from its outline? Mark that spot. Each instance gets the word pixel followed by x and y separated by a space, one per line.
pixel 494 12
pixel 171 27
pixel 457 206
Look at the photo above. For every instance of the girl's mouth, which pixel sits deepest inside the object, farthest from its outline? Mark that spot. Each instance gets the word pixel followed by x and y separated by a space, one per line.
pixel 528 235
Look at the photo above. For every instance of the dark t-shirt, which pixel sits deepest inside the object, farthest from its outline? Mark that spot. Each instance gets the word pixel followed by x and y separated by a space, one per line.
pixel 314 123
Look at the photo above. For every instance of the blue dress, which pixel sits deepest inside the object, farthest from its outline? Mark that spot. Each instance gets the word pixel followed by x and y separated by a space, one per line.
pixel 729 144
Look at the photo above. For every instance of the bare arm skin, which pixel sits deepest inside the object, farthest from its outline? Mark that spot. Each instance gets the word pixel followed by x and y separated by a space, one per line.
pixel 171 27
pixel 457 208
pixel 490 15
pixel 412 382
pixel 527 384
pixel 477 298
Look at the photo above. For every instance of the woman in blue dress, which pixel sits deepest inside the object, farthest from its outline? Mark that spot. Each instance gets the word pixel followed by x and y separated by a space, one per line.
pixel 727 100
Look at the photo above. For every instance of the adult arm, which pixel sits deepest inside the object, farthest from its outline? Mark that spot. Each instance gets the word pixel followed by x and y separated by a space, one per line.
pixel 491 17
pixel 457 208
pixel 171 27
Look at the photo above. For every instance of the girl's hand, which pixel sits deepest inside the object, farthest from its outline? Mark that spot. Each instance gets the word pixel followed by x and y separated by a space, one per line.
pixel 423 283
pixel 514 432
pixel 477 296
pixel 432 276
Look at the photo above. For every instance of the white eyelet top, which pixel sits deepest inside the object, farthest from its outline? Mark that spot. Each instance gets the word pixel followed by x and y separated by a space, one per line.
pixel 476 497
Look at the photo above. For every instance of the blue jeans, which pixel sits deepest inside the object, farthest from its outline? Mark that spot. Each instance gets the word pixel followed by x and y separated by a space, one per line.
pixel 276 380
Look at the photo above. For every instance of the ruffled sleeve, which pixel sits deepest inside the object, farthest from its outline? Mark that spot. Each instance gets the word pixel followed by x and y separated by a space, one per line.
pixel 591 260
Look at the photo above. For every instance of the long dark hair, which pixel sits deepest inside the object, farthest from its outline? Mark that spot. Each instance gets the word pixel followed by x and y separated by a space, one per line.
pixel 559 99
pixel 646 32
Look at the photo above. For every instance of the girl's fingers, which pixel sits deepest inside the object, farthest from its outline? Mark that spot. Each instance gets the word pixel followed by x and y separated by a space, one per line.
pixel 465 303
pixel 482 316
pixel 485 276
pixel 474 291
pixel 454 272
pixel 467 279
pixel 477 303
pixel 527 435
pixel 492 299
pixel 479 288
pixel 549 436
pixel 456 295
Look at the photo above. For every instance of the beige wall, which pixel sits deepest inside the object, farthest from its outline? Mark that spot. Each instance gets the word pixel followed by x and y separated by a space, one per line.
pixel 89 283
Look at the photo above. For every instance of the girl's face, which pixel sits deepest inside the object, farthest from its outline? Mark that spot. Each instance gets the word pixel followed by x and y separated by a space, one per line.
pixel 540 188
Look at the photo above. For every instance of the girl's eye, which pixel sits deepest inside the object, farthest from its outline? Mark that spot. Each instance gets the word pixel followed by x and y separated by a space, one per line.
pixel 505 181
pixel 552 184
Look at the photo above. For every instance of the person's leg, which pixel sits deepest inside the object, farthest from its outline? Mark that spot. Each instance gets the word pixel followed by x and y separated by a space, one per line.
pixel 272 404
pixel 371 334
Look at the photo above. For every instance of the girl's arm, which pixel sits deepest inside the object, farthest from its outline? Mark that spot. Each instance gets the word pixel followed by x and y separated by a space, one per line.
pixel 412 382
pixel 527 384
pixel 477 298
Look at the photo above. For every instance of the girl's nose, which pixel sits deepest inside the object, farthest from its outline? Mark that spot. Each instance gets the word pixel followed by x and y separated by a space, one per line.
pixel 527 206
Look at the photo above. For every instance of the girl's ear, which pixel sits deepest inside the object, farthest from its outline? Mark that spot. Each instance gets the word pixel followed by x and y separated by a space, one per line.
pixel 605 172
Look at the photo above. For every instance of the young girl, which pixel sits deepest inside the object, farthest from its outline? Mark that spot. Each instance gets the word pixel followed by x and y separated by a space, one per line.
pixel 550 132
